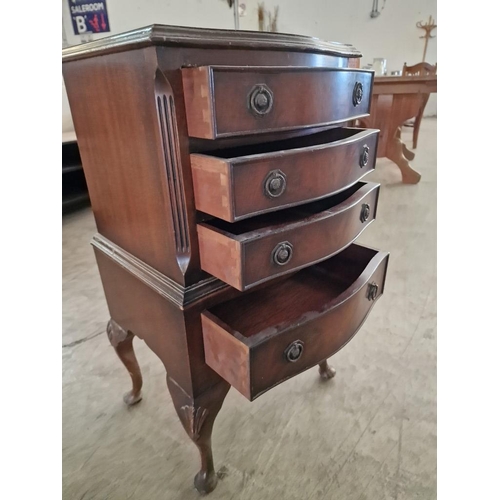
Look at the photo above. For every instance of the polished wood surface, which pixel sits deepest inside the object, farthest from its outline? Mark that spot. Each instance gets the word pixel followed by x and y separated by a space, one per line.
pixel 197 417
pixel 217 98
pixel 243 254
pixel 322 307
pixel 395 100
pixel 131 104
pixel 231 183
pixel 122 123
pixel 203 38
pixel 122 341
pixel 420 69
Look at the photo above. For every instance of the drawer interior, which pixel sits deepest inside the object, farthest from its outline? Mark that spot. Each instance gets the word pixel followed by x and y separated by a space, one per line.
pixel 268 311
pixel 304 141
pixel 271 222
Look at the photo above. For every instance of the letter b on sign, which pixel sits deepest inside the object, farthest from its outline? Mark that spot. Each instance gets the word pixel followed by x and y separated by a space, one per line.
pixel 81 25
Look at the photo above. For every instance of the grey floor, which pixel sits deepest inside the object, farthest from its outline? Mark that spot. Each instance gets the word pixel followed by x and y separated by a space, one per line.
pixel 370 433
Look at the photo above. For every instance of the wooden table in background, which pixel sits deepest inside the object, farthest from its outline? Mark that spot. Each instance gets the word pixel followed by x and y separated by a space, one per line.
pixel 396 100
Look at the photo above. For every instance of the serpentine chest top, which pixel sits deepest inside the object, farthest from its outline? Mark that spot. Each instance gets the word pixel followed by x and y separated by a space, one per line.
pixel 227 194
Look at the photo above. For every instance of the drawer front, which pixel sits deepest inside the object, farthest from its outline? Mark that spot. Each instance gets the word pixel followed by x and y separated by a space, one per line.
pixel 245 260
pixel 286 174
pixel 223 101
pixel 255 363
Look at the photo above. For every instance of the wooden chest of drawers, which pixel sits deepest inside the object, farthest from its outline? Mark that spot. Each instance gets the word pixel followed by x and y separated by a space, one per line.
pixel 227 198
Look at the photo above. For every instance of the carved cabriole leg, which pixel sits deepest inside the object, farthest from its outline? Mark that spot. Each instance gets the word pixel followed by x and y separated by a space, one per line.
pixel 122 340
pixel 326 371
pixel 198 416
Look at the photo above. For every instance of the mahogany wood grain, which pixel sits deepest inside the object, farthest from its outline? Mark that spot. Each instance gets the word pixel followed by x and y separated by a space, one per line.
pixel 127 158
pixel 122 342
pixel 241 254
pixel 122 157
pixel 180 37
pixel 130 106
pixel 217 98
pixel 197 416
pixel 230 183
pixel 124 154
pixel 322 306
pixel 139 309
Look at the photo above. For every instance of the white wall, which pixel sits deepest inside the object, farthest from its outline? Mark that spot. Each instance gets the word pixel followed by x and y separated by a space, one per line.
pixel 125 15
pixel 392 35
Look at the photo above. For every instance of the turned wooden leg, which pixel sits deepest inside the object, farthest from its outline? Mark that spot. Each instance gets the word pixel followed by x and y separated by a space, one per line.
pixel 394 152
pixel 122 340
pixel 198 416
pixel 326 371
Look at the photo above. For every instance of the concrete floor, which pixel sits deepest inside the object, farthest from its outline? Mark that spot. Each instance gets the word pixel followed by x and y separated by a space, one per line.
pixel 368 434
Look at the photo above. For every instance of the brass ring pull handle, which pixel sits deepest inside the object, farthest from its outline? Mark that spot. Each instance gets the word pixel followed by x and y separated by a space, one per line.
pixel 364 156
pixel 274 184
pixel 365 212
pixel 357 94
pixel 372 291
pixel 294 351
pixel 282 253
pixel 260 100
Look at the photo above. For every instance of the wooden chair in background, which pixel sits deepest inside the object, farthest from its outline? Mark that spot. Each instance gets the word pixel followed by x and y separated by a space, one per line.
pixel 420 69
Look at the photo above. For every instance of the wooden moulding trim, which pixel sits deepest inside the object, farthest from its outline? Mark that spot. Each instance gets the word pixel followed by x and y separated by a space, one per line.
pixel 206 38
pixel 174 292
pixel 405 79
pixel 280 227
pixel 360 136
pixel 172 164
pixel 222 135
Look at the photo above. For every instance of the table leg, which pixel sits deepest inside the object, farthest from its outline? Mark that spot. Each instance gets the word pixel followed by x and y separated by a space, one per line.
pixel 388 113
pixel 410 155
pixel 418 119
pixel 122 340
pixel 197 416
pixel 395 152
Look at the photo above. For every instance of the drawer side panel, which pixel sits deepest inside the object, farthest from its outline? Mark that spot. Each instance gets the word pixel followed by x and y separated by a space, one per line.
pixel 225 354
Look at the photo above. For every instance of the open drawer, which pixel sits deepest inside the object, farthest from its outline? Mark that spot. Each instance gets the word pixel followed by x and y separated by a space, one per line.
pixel 236 183
pixel 249 252
pixel 264 337
pixel 227 101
